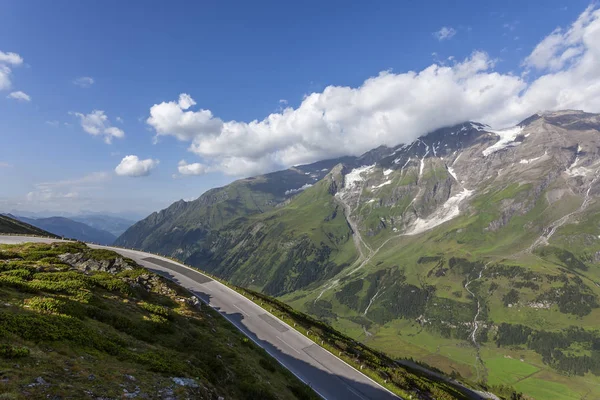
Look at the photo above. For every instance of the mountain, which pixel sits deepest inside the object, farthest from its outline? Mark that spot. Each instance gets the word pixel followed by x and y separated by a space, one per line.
pixel 68 228
pixel 114 225
pixel 475 250
pixel 9 224
pixel 81 323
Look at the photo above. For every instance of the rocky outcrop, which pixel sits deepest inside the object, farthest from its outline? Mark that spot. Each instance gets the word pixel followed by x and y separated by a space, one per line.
pixel 87 264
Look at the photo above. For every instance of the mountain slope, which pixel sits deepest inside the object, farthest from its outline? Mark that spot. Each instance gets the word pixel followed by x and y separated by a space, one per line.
pixel 8 224
pixel 171 230
pixel 473 249
pixel 68 228
pixel 83 323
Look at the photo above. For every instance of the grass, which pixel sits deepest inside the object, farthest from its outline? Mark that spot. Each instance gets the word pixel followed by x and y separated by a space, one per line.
pixel 547 390
pixel 88 332
pixel 375 364
pixel 508 371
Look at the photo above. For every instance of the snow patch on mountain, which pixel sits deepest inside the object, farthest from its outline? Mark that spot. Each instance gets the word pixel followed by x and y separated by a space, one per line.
pixel 383 184
pixel 355 176
pixel 387 172
pixel 451 172
pixel 448 211
pixel 507 137
pixel 579 171
pixel 531 160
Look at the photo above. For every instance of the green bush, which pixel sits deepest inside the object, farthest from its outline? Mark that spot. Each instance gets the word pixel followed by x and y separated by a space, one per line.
pixel 8 351
pixel 110 283
pixel 17 283
pixel 156 309
pixel 20 273
pixel 8 255
pixel 268 364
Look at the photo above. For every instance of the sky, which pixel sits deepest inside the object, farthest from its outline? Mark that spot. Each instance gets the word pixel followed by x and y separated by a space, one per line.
pixel 127 106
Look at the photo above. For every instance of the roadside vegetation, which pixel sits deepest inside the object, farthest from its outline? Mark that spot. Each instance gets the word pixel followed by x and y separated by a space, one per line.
pixel 83 323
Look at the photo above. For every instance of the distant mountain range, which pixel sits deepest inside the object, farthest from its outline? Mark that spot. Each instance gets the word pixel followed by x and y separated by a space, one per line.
pixel 69 228
pixel 115 225
pixel 473 249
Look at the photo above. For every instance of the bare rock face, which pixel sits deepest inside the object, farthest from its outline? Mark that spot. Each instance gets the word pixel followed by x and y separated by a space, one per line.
pixel 84 263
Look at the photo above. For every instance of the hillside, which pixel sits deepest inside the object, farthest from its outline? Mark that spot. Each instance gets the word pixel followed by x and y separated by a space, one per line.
pixel 472 249
pixel 83 323
pixel 14 226
pixel 69 228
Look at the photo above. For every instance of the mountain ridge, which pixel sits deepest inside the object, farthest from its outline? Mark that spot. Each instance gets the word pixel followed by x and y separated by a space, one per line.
pixel 447 240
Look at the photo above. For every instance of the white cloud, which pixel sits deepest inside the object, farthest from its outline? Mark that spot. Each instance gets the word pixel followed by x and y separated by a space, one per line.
pixel 186 101
pixel 561 47
pixel 66 189
pixel 5 164
pixel 132 166
pixel 20 96
pixel 171 118
pixel 84 81
pixel 53 123
pixel 8 60
pixel 393 108
pixel 191 169
pixel 96 123
pixel 445 32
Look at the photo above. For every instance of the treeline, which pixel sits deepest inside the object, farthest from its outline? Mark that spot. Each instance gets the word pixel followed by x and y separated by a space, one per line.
pixel 554 346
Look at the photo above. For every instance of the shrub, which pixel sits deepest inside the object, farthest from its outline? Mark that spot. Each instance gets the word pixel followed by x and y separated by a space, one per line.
pixel 267 364
pixel 110 283
pixel 156 309
pixel 20 273
pixel 8 351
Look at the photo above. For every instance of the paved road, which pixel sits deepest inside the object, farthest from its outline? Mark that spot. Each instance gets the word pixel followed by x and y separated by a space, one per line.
pixel 329 376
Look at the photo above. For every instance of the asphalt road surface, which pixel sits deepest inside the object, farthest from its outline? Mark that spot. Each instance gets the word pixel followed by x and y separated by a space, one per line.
pixel 329 376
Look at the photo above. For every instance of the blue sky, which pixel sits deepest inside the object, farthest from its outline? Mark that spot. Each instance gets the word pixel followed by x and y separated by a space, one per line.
pixel 259 61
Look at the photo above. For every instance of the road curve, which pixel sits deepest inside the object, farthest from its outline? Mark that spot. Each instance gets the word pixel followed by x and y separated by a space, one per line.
pixel 329 376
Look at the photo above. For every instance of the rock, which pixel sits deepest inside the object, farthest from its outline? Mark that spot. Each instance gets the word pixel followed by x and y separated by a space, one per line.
pixel 130 377
pixel 84 263
pixel 91 377
pixel 39 381
pixel 131 395
pixel 187 382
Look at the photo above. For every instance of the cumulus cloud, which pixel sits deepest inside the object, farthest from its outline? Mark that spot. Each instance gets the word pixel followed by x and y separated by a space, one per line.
pixel 7 61
pixel 20 96
pixel 445 32
pixel 191 169
pixel 393 108
pixel 132 166
pixel 10 58
pixel 84 81
pixel 96 123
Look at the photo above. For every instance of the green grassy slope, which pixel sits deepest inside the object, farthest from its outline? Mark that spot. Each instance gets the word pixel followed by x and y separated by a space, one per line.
pixel 286 249
pixel 67 334
pixel 539 309
pixel 13 226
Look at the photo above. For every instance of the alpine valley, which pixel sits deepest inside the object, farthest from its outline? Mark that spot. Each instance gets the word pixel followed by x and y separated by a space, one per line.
pixel 474 250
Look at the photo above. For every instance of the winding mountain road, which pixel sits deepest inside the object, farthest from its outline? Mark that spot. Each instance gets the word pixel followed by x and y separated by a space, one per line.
pixel 329 376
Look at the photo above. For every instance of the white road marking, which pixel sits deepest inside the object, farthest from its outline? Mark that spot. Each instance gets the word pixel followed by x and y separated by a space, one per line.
pixel 288 345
